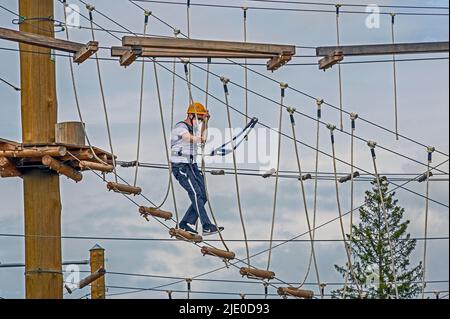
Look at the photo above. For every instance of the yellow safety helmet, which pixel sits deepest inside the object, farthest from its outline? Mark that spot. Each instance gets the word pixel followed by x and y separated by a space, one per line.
pixel 197 108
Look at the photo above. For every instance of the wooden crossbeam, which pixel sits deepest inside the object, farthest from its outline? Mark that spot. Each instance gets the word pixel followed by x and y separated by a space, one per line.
pixel 208 45
pixel 183 53
pixel 191 48
pixel 385 49
pixel 81 51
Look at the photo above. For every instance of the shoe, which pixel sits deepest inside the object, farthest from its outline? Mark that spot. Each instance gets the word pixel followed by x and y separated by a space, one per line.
pixel 188 229
pixel 212 230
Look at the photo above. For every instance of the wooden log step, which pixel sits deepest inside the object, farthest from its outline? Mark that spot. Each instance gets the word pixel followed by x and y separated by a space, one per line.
pixel 257 273
pixel 294 292
pixel 95 166
pixel 61 168
pixel 145 211
pixel 183 235
pixel 227 255
pixel 124 189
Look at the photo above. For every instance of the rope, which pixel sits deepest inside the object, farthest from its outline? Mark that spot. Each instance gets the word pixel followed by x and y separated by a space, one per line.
pixel 141 104
pixel 91 8
pixel 245 9
pixel 394 65
pixel 207 5
pixel 319 103
pixel 166 144
pixel 225 82
pixel 188 21
pixel 427 204
pixel 332 128
pixel 353 118
pixel 176 32
pixel 203 166
pixel 372 146
pixel 10 84
pixel 313 148
pixel 311 232
pixel 338 7
pixel 77 101
pixel 283 87
pixel 296 90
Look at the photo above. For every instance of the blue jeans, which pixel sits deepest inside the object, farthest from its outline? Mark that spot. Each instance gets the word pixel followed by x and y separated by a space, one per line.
pixel 192 180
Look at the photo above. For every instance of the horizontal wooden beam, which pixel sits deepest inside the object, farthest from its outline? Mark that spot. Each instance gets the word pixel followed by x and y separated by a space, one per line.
pixel 385 49
pixel 128 54
pixel 91 278
pixel 207 45
pixel 35 152
pixel 81 51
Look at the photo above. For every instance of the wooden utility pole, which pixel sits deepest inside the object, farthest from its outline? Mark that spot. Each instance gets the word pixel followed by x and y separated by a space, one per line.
pixel 97 254
pixel 42 203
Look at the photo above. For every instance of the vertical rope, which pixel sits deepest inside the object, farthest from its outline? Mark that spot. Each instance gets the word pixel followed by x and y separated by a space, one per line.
pixel 245 9
pixel 332 128
pixel 208 72
pixel 203 165
pixel 372 146
pixel 141 106
pixel 188 20
pixel 341 104
pixel 305 205
pixel 176 32
pixel 430 150
pixel 91 8
pixel 394 65
pixel 353 117
pixel 283 87
pixel 225 82
pixel 75 92
pixel 166 144
pixel 319 103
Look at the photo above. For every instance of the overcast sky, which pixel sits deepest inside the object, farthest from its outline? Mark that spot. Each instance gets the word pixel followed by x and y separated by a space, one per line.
pixel 89 210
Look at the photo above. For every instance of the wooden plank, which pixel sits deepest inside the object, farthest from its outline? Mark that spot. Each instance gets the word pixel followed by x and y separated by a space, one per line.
pixel 86 52
pixel 331 60
pixel 277 62
pixel 183 53
pixel 386 49
pixel 40 40
pixel 207 45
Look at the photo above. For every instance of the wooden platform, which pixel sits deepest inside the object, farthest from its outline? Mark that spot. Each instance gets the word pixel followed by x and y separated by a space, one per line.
pixel 16 158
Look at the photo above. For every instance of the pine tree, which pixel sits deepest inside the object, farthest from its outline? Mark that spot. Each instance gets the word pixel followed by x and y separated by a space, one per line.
pixel 372 263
